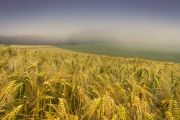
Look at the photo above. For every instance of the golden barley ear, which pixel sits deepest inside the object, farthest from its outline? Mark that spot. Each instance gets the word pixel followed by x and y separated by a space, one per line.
pixel 8 93
pixel 13 113
pixel 7 89
pixel 175 110
pixel 122 112
pixel 49 116
pixel 148 116
pixel 63 110
pixel 169 115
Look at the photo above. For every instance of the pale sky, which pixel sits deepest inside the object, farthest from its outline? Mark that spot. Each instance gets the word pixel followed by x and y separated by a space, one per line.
pixel 133 21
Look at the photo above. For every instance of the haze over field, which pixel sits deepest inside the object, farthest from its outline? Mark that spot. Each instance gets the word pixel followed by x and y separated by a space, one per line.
pixel 153 24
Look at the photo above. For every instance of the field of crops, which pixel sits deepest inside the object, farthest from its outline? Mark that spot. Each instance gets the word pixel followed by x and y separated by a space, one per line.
pixel 116 49
pixel 55 84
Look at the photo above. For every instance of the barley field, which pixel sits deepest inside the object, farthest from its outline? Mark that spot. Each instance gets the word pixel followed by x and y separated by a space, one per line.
pixel 48 83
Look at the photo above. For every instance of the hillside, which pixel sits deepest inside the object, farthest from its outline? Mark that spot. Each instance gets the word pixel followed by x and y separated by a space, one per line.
pixel 44 82
pixel 125 50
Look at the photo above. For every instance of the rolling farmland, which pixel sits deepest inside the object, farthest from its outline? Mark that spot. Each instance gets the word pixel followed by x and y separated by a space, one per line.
pixel 51 83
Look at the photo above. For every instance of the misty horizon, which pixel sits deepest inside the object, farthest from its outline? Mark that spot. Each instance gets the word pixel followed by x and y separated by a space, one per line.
pixel 140 23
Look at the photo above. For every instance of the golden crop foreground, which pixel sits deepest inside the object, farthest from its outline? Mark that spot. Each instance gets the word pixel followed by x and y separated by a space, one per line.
pixel 55 84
